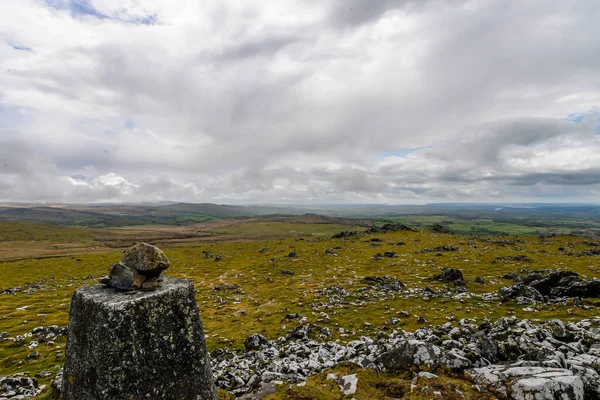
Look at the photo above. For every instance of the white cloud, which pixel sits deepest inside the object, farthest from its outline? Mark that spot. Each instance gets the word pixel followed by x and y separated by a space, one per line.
pixel 295 100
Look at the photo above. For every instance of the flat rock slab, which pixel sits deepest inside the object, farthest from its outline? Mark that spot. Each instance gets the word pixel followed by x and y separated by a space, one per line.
pixel 530 383
pixel 136 345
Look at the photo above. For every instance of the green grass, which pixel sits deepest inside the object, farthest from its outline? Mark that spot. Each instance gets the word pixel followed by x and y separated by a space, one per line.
pixel 31 231
pixel 497 226
pixel 372 385
pixel 265 229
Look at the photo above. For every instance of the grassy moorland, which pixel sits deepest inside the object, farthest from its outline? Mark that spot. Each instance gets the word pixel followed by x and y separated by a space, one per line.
pixel 271 282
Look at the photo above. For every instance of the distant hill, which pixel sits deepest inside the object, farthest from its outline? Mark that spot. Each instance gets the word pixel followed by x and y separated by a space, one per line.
pixel 185 213
pixel 59 216
pixel 121 215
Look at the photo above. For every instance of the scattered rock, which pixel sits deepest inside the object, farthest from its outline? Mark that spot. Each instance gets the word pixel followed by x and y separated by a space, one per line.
pixel 227 287
pixel 439 249
pixel 18 386
pixel 344 234
pixel 449 275
pixel 390 228
pixel 437 228
pixel 47 333
pixel 384 283
pixel 518 258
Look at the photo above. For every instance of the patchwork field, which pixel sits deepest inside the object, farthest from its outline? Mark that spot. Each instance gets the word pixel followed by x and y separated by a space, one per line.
pixel 251 275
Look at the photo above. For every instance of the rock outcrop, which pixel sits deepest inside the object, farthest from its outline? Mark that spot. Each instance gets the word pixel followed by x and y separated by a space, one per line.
pixel 390 228
pixel 416 353
pixel 136 345
pixel 555 286
pixel 517 359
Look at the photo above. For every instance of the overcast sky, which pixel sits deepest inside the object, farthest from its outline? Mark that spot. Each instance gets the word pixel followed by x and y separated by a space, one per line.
pixel 326 101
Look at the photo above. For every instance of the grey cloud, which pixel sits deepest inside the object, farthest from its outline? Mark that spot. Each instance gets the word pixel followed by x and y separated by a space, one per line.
pixel 300 105
pixel 263 47
pixel 357 12
pixel 586 177
pixel 355 180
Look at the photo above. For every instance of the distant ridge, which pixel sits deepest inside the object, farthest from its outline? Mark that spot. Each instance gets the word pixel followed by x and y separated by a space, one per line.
pixel 121 215
pixel 104 215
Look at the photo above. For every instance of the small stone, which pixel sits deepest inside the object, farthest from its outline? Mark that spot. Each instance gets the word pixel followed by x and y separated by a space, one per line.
pixel 427 375
pixel 124 278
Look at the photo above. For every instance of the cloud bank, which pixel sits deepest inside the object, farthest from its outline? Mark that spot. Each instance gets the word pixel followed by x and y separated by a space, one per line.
pixel 347 101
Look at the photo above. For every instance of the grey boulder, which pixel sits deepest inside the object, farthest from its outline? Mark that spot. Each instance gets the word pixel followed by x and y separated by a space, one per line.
pixel 418 353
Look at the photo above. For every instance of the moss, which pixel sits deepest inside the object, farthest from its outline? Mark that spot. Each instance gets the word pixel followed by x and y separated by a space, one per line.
pixel 373 385
pixel 225 395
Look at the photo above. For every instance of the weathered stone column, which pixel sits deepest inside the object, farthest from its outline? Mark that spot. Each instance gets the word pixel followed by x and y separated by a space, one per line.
pixel 136 345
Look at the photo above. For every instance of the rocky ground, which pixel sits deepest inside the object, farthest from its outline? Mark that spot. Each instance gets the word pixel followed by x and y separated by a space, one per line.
pixel 512 358
pixel 516 359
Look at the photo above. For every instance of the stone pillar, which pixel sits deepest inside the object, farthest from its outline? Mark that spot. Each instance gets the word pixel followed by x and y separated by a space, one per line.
pixel 136 345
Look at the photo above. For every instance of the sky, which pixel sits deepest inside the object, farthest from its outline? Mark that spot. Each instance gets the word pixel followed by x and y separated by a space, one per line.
pixel 307 101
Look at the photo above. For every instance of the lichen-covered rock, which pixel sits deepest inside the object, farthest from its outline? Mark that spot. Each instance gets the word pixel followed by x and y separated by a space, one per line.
pixel 521 292
pixel 136 345
pixel 18 386
pixel 348 384
pixel 530 383
pixel 148 260
pixel 488 348
pixel 254 341
pixel 420 354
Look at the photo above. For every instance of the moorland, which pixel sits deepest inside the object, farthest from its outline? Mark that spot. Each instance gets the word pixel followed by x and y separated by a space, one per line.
pixel 252 268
